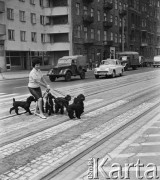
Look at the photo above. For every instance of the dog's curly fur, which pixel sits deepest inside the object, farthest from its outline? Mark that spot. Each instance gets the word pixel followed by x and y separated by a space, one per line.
pixel 61 102
pixel 49 104
pixel 77 107
pixel 23 104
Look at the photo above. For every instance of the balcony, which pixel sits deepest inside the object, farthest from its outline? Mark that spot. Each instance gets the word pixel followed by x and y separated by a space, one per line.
pixel 108 43
pixel 2 29
pixel 88 42
pixel 144 43
pixel 144 29
pixel 58 46
pixel 87 1
pixel 108 5
pixel 56 29
pixel 122 12
pixel 2 7
pixel 56 11
pixel 87 19
pixel 107 24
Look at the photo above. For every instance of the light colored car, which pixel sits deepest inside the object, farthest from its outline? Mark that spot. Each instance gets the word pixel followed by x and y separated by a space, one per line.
pixel 109 67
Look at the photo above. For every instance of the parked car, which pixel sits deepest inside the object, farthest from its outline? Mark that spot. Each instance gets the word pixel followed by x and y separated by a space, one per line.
pixel 129 59
pixel 68 66
pixel 109 67
pixel 156 61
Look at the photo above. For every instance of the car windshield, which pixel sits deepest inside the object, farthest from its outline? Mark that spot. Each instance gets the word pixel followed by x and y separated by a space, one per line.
pixel 109 61
pixel 64 61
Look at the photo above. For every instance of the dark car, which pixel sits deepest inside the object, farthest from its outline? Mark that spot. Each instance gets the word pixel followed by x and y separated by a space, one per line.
pixel 68 66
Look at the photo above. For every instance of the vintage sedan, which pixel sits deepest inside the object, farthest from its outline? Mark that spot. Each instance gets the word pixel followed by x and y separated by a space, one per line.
pixel 109 67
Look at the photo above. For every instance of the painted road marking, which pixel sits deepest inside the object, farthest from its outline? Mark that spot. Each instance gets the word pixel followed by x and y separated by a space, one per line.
pixel 6 95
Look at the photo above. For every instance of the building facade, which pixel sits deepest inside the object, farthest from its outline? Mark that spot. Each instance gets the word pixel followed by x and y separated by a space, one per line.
pixel 95 28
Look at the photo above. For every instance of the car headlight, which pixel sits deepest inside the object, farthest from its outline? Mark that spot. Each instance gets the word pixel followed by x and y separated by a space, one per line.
pixel 50 71
pixel 95 70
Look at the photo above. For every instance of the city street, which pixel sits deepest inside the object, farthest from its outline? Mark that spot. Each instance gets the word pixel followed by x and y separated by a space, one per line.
pixel 116 124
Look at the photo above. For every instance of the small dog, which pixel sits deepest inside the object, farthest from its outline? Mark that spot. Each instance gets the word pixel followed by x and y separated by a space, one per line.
pixel 77 107
pixel 23 104
pixel 61 102
pixel 49 104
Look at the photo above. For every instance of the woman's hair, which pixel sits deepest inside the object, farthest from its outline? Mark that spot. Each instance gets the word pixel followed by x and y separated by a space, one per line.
pixel 35 61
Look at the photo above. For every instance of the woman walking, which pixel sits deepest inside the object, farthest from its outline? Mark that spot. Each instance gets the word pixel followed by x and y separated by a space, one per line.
pixel 36 80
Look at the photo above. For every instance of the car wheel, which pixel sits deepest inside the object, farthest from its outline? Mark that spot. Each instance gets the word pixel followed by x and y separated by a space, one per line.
pixel 82 75
pixel 114 74
pixel 52 78
pixel 121 74
pixel 68 76
pixel 97 76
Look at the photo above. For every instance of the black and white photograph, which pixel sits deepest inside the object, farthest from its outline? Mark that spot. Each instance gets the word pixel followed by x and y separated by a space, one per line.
pixel 79 89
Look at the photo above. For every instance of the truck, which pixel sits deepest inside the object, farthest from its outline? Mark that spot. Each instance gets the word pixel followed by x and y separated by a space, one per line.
pixel 68 66
pixel 129 59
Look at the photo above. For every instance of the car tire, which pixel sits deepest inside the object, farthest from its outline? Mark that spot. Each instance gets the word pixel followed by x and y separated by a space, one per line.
pixel 113 74
pixel 82 75
pixel 97 76
pixel 52 78
pixel 68 76
pixel 121 74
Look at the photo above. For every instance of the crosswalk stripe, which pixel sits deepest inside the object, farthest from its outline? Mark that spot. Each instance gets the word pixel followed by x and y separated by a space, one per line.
pixel 2 93
pixel 6 95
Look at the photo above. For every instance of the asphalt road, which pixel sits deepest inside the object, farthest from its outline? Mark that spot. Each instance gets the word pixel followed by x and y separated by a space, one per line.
pixel 20 85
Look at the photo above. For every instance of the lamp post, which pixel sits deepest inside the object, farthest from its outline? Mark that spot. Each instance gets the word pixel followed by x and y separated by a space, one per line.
pixel 123 33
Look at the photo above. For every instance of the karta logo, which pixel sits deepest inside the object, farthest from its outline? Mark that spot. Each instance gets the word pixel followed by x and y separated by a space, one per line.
pixel 98 169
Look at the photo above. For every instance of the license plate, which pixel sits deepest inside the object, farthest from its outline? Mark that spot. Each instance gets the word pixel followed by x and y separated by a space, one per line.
pixel 102 73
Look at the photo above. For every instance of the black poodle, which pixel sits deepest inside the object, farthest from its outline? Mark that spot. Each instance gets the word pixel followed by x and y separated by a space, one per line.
pixel 77 107
pixel 61 102
pixel 49 104
pixel 23 104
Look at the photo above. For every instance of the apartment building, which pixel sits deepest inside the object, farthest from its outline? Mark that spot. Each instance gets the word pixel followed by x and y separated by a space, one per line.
pixel 142 23
pixel 95 28
pixel 31 28
pixel 157 50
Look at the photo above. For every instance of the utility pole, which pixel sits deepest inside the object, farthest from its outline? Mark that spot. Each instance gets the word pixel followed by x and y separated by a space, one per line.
pixel 123 33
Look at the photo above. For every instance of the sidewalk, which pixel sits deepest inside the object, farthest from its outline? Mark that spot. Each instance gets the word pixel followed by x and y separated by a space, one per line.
pixel 16 74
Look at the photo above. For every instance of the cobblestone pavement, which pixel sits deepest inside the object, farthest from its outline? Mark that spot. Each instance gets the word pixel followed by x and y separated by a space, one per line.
pixel 94 107
pixel 52 159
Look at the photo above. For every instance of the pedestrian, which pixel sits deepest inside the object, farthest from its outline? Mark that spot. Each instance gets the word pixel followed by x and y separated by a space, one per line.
pixel 36 80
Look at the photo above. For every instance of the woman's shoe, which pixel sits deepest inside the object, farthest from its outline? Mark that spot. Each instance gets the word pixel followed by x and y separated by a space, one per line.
pixel 42 116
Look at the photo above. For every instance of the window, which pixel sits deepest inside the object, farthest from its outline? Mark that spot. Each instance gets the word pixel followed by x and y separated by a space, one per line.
pixel 32 2
pixel 85 33
pixel 33 18
pixel 79 31
pixel 116 38
pixel 42 20
pixel 99 35
pixel 77 8
pixel 111 38
pixel 23 35
pixel 120 38
pixel 116 4
pixel 116 21
pixel 43 40
pixel 10 13
pixel 33 36
pixel 105 35
pixel 105 16
pixel 111 18
pixel 99 16
pixel 11 34
pixel 92 33
pixel 85 10
pixel 41 3
pixel 120 22
pixel 92 12
pixel 22 16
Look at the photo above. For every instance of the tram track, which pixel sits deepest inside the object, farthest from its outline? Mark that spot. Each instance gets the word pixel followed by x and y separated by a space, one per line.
pixel 91 148
pixel 92 90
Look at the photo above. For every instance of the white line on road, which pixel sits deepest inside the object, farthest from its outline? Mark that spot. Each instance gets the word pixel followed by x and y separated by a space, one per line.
pixel 19 87
pixel 6 95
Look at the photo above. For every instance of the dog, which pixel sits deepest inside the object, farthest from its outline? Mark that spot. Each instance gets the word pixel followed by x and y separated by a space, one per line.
pixel 77 107
pixel 23 104
pixel 49 104
pixel 61 103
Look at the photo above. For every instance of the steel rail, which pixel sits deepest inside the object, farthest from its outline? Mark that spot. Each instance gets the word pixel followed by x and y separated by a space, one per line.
pixel 89 94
